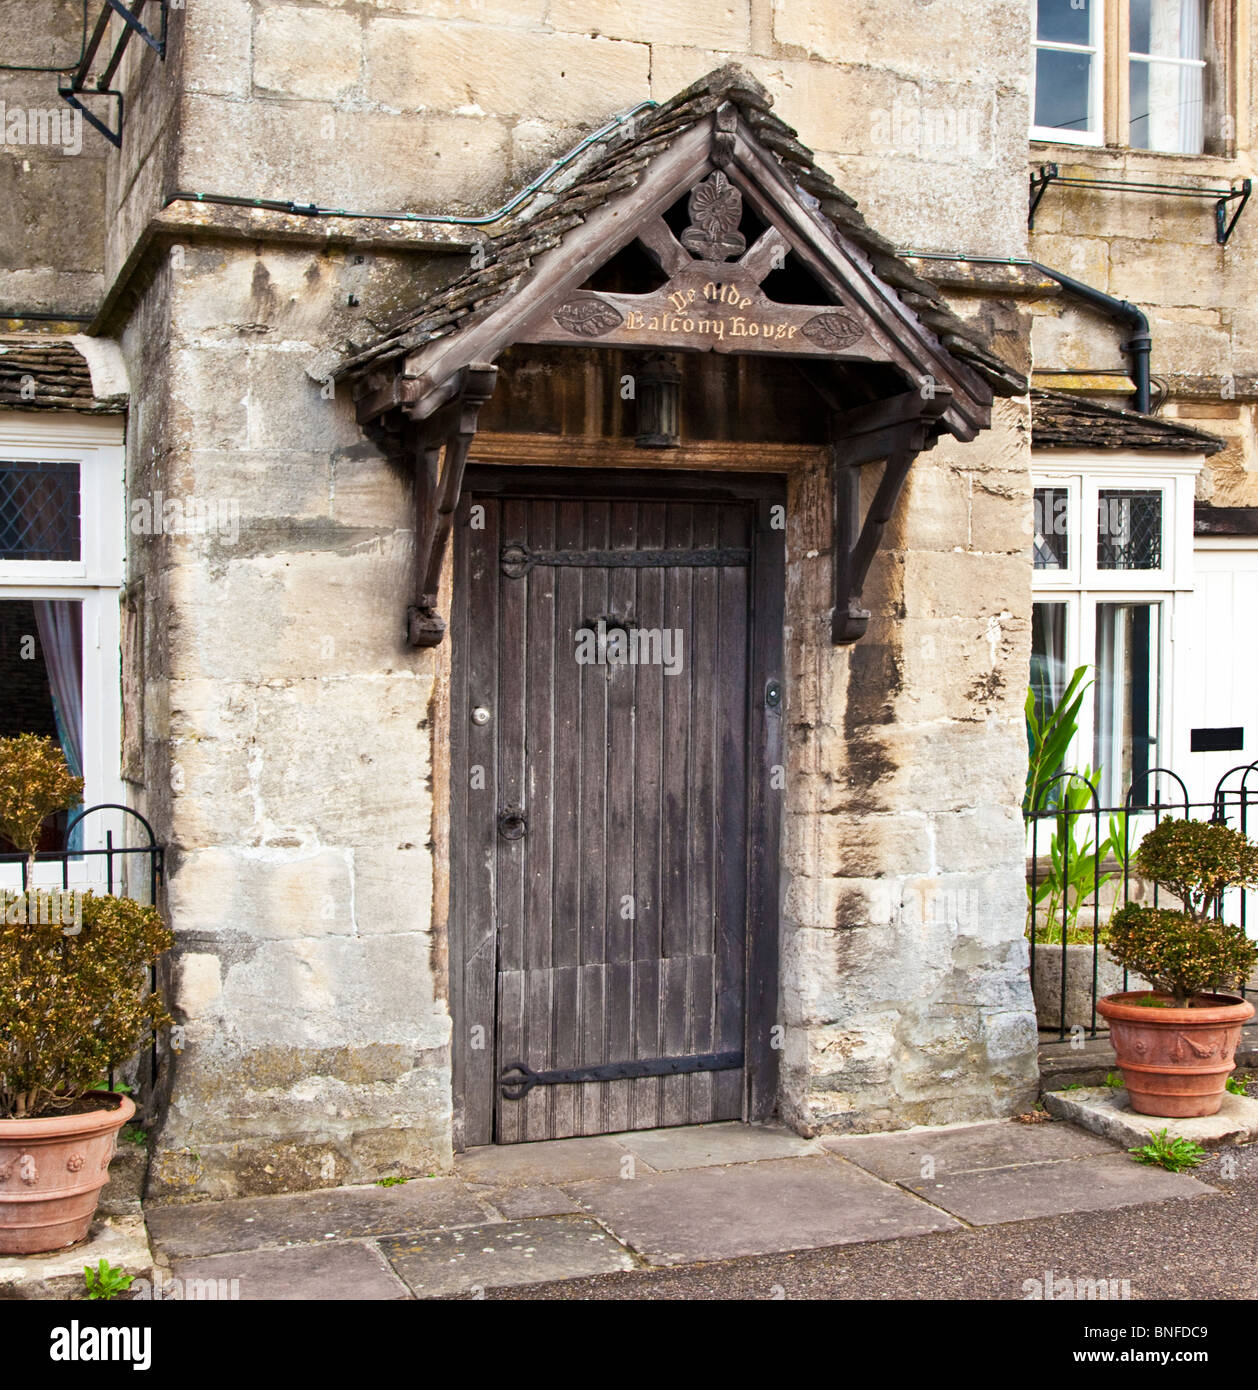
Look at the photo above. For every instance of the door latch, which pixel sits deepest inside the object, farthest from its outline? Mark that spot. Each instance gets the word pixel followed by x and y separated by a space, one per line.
pixel 511 823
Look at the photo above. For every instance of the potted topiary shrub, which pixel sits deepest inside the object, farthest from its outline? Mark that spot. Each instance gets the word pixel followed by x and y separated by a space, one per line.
pixel 1176 1044
pixel 73 1004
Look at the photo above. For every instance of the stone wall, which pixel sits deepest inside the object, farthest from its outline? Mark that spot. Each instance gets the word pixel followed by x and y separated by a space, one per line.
pixel 286 749
pixel 52 172
pixel 905 993
pixel 290 747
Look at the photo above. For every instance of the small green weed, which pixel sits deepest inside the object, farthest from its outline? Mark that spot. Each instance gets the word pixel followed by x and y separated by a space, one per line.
pixel 1172 1154
pixel 106 1281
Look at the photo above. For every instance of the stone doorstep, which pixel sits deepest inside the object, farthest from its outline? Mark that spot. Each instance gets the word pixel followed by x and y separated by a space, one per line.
pixel 122 1240
pixel 1105 1111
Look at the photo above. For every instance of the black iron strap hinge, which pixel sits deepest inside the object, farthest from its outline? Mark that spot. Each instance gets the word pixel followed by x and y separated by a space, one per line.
pixel 517 560
pixel 516 1087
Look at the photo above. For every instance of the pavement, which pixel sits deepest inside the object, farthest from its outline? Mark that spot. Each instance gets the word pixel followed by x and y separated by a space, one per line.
pixel 732 1210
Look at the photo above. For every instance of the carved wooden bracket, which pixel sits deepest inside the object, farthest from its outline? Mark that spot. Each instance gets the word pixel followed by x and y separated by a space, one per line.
pixel 897 430
pixel 439 447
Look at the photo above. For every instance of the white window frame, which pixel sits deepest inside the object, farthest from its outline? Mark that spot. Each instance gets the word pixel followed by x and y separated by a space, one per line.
pixel 97 445
pixel 1083 585
pixel 1096 97
pixel 1150 59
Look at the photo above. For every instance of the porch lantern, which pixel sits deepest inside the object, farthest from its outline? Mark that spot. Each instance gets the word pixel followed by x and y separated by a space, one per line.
pixel 659 404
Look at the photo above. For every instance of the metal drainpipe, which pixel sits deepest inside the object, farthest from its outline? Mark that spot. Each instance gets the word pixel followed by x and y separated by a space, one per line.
pixel 1138 346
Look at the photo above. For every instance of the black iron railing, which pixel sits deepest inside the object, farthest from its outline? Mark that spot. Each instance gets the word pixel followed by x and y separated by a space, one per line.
pixel 1065 833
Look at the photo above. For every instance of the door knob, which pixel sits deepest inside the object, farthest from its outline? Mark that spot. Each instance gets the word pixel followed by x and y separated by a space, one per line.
pixel 511 823
pixel 480 715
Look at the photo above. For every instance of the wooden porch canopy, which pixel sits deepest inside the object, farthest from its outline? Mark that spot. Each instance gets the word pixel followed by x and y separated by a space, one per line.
pixel 419 385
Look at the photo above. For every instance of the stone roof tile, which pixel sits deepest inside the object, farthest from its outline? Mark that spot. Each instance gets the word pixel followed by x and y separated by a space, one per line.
pixel 601 173
pixel 47 372
pixel 1061 421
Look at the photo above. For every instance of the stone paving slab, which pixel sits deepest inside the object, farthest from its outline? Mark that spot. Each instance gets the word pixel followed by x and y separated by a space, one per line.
pixel 517 1203
pixel 549 1161
pixel 303 1218
pixel 1107 1111
pixel 438 1264
pixel 707 1146
pixel 339 1270
pixel 121 1240
pixel 993 1195
pixel 899 1157
pixel 754 1209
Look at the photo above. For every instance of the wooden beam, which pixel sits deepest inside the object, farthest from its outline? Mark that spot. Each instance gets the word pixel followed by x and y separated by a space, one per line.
pixel 438 484
pixel 767 254
pixel 774 198
pixel 663 247
pixel 896 429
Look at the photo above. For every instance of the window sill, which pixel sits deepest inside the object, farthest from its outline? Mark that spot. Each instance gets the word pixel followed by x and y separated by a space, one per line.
pixel 1128 158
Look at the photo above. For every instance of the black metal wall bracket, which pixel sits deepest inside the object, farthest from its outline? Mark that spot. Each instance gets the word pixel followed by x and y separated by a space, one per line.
pixel 1224 225
pixel 77 87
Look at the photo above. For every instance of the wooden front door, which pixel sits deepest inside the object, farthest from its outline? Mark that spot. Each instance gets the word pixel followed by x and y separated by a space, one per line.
pixel 615 710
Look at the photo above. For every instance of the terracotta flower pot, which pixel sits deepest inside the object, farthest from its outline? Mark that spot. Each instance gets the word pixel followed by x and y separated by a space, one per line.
pixel 51 1174
pixel 1175 1062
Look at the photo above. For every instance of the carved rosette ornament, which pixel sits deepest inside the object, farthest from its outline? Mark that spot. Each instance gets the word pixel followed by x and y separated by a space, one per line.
pixel 74 1163
pixel 716 209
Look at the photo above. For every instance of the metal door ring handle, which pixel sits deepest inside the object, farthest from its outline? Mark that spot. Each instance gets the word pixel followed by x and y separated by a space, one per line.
pixel 511 825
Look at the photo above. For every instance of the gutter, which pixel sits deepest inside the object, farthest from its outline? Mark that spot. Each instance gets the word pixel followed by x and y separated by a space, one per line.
pixel 1138 346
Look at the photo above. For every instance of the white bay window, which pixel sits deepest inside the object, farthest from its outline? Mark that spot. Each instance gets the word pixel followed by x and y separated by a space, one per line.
pixel 1112 558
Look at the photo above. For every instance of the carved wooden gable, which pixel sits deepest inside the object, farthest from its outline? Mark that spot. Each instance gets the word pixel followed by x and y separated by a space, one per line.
pixel 720 199
pixel 713 300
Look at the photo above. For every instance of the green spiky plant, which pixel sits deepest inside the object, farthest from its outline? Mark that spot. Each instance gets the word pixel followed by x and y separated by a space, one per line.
pixel 1074 863
pixel 1172 1154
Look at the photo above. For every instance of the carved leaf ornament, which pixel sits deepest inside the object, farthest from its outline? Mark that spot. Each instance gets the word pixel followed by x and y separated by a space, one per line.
pixel 834 331
pixel 587 316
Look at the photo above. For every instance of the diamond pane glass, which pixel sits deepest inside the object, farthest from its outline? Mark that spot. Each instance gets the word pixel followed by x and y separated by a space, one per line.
pixel 1052 528
pixel 39 510
pixel 1129 530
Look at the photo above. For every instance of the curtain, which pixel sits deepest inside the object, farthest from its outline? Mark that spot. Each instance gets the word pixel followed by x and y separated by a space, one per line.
pixel 61 638
pixel 1191 80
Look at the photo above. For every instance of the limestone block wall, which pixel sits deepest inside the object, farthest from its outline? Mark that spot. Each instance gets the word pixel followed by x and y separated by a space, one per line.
pixel 919 109
pixel 904 986
pixel 287 747
pixel 52 171
pixel 1160 253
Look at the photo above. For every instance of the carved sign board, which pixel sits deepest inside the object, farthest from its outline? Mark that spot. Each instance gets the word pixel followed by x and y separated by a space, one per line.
pixel 701 313
pixel 710 304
